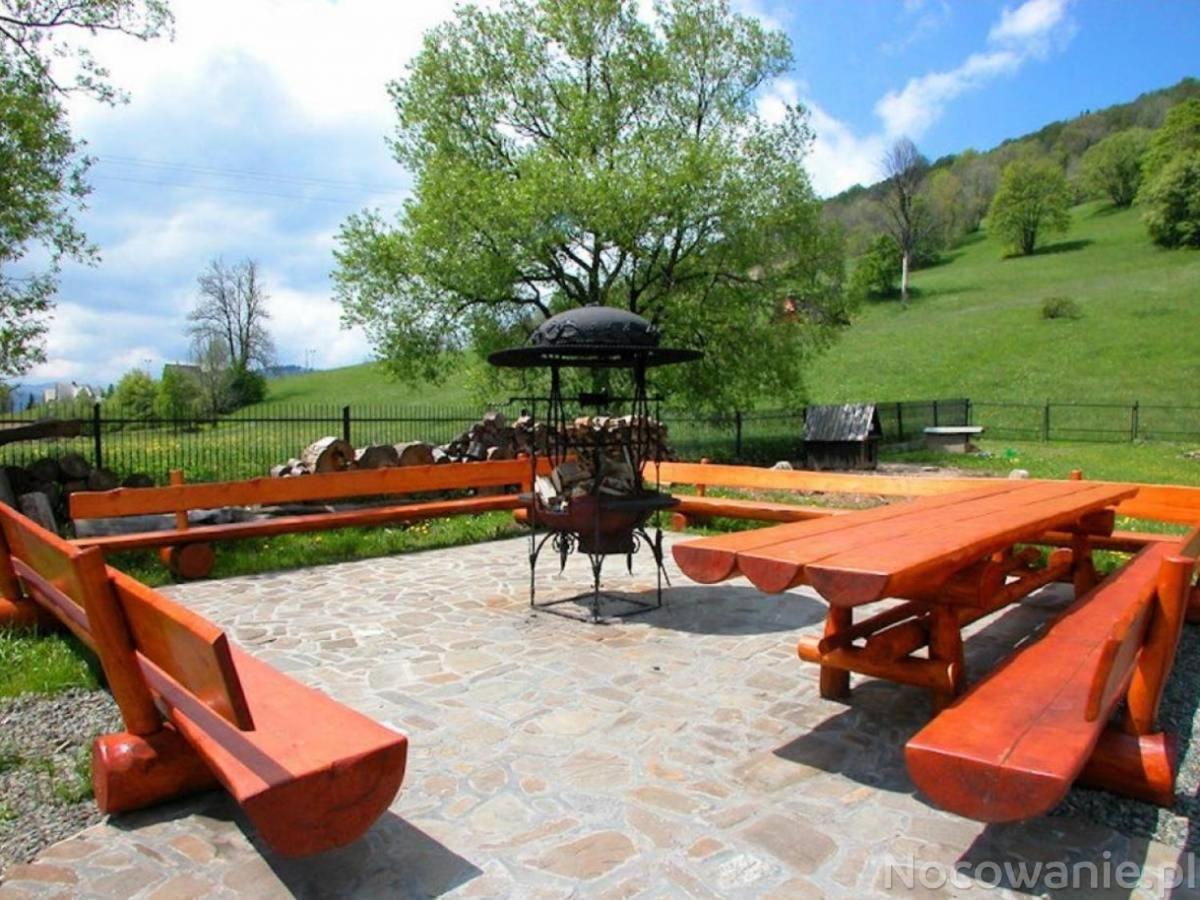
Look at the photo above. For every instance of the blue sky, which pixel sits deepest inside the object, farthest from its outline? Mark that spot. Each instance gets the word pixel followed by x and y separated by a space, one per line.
pixel 263 125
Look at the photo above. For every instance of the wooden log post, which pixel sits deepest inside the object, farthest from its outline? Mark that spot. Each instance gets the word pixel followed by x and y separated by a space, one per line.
pixel 1157 656
pixel 835 683
pixel 187 560
pixel 131 771
pixel 946 645
pixel 1140 766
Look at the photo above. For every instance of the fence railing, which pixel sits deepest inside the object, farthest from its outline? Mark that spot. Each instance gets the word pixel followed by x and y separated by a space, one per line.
pixel 244 445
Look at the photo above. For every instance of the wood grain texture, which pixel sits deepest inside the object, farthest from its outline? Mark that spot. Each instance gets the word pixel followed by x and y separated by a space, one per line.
pixel 1011 747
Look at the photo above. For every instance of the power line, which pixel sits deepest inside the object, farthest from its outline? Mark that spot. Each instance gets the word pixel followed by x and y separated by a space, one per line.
pixel 250 174
pixel 226 189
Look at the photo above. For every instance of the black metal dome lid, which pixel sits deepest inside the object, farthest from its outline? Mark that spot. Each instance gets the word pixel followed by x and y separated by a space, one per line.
pixel 593 337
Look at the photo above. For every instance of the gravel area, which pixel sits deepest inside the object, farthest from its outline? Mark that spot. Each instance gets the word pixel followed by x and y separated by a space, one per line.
pixel 45 796
pixel 1178 715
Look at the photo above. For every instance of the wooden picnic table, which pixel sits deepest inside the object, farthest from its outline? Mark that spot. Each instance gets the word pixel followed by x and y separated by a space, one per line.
pixel 951 559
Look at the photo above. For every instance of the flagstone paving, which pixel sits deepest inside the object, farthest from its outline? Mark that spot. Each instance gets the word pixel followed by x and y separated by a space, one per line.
pixel 680 753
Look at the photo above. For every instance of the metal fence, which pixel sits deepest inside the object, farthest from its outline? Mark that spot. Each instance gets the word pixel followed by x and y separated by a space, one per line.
pixel 247 444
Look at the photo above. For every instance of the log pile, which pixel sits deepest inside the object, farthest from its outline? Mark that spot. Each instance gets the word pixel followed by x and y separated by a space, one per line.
pixel 41 489
pixel 491 438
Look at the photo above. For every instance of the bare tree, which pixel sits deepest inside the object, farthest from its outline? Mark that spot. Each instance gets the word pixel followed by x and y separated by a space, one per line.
pixel 904 170
pixel 232 310
pixel 211 359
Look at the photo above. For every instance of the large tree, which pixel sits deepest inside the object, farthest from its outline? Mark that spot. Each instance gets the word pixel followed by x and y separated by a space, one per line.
pixel 231 309
pixel 569 153
pixel 908 219
pixel 1113 167
pixel 42 170
pixel 1033 200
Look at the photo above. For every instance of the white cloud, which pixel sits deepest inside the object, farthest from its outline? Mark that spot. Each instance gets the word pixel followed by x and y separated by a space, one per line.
pixel 304 321
pixel 78 330
pixel 841 158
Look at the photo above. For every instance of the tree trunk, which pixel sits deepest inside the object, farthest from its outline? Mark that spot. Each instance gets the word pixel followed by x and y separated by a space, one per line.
pixel 904 277
pixel 330 454
pixel 377 456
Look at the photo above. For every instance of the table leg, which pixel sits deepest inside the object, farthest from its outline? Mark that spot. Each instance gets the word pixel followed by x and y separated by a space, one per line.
pixel 946 645
pixel 835 683
pixel 1084 569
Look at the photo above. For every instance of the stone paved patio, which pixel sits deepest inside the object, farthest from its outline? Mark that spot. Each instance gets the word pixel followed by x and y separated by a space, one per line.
pixel 684 752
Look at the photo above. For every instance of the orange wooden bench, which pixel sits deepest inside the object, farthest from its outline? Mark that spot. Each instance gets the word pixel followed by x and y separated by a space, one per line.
pixel 188 550
pixel 1011 747
pixel 310 773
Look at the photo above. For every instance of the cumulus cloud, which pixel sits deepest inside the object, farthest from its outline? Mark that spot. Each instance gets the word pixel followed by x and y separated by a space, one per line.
pixel 1020 34
pixel 841 158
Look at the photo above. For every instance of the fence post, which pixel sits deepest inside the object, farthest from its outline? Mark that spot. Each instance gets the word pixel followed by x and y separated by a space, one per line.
pixel 1133 421
pixel 737 435
pixel 935 414
pixel 967 403
pixel 97 441
pixel 1046 422
pixel 899 423
pixel 346 424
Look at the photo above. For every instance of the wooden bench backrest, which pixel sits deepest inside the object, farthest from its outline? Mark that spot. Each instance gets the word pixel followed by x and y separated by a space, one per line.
pixel 189 648
pixel 328 486
pixel 186 646
pixel 48 567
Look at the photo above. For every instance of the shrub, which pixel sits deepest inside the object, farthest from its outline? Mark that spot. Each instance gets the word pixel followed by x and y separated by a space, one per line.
pixel 877 272
pixel 135 395
pixel 1113 167
pixel 1172 203
pixel 246 387
pixel 1060 308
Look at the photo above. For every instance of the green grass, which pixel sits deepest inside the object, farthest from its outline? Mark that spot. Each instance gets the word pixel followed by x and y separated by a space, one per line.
pixel 367 383
pixel 974 327
pixel 44 664
pixel 296 551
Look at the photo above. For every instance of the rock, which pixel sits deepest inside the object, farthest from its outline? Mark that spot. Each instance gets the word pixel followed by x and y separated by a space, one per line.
pixel 37 506
pixel 7 497
pixel 138 480
pixel 783 464
pixel 1019 473
pixel 102 480
pixel 45 469
pixel 74 467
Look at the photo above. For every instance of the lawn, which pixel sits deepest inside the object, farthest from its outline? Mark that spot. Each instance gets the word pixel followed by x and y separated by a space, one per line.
pixel 974 327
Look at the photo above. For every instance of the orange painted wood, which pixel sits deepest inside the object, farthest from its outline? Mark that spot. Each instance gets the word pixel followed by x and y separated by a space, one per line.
pixel 1121 541
pixel 1164 502
pixel 946 646
pixel 861 558
pixel 10 588
pixel 188 561
pixel 377 515
pixel 114 646
pixel 312 775
pixel 186 646
pixel 844 637
pixel 934 675
pixel 1111 678
pixel 1011 747
pixel 758 510
pixel 712 559
pixel 327 486
pixel 1141 766
pixel 905 566
pixel 1157 658
pixel 131 772
pixel 834 679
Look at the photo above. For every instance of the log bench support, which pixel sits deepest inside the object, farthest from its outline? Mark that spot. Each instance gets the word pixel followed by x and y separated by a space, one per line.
pixel 890 638
pixel 1012 746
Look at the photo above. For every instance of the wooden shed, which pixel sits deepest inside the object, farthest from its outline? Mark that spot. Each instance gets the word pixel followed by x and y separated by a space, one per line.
pixel 842 437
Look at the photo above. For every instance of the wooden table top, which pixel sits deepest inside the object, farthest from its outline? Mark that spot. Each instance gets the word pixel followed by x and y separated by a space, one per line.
pixel 900 550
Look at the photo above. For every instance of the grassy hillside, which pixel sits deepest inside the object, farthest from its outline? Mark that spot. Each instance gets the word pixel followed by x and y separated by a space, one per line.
pixel 975 329
pixel 362 384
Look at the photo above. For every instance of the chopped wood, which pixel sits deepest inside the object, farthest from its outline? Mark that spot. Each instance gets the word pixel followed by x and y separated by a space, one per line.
pixel 74 467
pixel 330 454
pixel 45 469
pixel 377 456
pixel 37 505
pixel 415 453
pixel 102 480
pixel 7 497
pixel 137 480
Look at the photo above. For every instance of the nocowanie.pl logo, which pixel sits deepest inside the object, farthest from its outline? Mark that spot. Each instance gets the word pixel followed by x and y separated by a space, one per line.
pixel 1056 875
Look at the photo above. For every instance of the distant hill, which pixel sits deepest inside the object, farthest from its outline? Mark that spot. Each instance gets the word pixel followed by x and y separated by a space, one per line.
pixel 974 326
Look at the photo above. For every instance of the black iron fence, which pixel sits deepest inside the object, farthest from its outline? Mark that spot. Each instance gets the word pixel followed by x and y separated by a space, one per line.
pixel 247 444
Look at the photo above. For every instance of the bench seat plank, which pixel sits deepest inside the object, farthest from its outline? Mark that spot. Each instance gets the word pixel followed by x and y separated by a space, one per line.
pixel 377 515
pixel 761 510
pixel 291 773
pixel 1012 746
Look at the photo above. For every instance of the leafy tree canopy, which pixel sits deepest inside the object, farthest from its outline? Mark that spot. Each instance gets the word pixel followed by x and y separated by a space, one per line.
pixel 1179 134
pixel 1113 167
pixel 1033 200
pixel 1172 202
pixel 41 169
pixel 569 153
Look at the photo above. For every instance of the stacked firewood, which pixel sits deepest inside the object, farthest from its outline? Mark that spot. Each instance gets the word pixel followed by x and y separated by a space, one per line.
pixel 40 489
pixel 491 438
